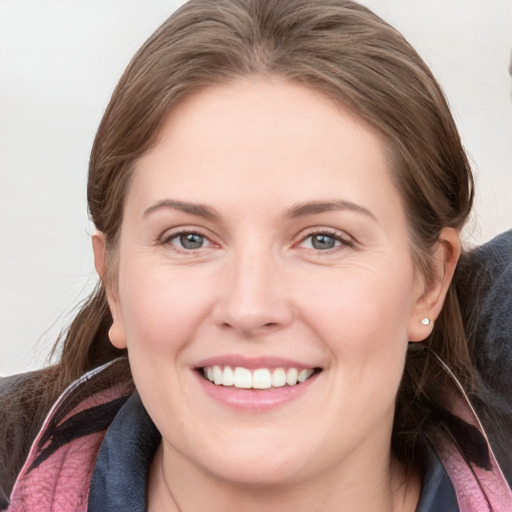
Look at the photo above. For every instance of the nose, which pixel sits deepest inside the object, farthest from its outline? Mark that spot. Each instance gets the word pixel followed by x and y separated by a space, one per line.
pixel 254 300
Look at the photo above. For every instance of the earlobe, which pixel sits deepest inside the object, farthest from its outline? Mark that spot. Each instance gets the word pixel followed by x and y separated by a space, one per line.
pixel 116 332
pixel 431 300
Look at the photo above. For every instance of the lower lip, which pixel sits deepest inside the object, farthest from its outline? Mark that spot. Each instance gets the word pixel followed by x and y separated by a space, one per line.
pixel 255 399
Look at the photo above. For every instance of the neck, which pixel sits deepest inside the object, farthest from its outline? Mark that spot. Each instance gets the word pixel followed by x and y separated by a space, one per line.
pixel 383 487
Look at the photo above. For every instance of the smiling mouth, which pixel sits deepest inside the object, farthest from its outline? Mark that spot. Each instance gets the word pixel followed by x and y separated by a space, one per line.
pixel 261 378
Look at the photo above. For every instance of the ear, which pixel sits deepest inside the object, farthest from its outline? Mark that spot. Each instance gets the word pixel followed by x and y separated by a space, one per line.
pixel 431 295
pixel 116 332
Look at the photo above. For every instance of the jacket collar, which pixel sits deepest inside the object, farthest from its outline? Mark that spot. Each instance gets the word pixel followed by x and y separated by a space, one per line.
pixel 58 471
pixel 124 458
pixel 120 474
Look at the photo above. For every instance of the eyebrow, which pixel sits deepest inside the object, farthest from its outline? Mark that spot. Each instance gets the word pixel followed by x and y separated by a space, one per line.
pixel 201 210
pixel 316 207
pixel 297 210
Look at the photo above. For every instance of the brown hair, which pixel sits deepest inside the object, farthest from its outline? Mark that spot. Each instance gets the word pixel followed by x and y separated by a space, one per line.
pixel 349 54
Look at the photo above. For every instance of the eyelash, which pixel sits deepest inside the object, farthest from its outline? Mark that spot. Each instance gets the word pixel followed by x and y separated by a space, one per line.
pixel 344 240
pixel 167 239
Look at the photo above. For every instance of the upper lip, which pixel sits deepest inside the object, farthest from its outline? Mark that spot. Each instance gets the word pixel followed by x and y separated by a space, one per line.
pixel 253 363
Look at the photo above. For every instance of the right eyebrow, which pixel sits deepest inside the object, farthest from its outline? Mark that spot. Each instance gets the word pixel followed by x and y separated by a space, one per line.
pixel 316 207
pixel 201 210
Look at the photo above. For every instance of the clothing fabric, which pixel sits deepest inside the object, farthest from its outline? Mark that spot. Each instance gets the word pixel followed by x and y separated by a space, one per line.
pixel 118 482
pixel 95 447
pixel 484 282
pixel 487 273
pixel 58 469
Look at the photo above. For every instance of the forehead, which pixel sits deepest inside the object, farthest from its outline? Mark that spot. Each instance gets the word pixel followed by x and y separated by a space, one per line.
pixel 257 105
pixel 267 136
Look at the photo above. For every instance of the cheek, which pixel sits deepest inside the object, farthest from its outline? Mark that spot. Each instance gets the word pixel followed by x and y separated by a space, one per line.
pixel 162 316
pixel 359 301
pixel 362 317
pixel 160 310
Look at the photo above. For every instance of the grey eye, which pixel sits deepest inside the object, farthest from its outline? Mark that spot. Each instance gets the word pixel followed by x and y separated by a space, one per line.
pixel 191 241
pixel 323 242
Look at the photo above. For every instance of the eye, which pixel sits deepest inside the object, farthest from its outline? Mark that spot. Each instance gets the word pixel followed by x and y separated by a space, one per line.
pixel 191 241
pixel 322 241
pixel 187 241
pixel 325 241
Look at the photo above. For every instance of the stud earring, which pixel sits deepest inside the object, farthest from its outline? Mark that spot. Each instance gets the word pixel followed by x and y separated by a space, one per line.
pixel 425 321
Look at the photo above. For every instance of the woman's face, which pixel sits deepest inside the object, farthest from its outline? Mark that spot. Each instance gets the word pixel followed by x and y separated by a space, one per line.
pixel 263 241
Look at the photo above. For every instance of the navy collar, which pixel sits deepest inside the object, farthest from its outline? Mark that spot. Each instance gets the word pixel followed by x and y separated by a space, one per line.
pixel 437 492
pixel 119 481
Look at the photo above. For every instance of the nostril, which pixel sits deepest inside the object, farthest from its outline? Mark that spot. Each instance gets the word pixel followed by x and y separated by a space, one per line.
pixel 266 326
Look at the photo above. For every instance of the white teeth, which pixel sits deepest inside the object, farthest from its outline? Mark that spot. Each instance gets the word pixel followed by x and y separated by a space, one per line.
pixel 278 378
pixel 304 375
pixel 262 378
pixel 291 376
pixel 242 378
pixel 228 377
pixel 217 375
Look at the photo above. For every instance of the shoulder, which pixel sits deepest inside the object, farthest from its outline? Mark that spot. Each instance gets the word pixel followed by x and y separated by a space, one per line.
pixel 483 268
pixel 20 399
pixel 495 256
pixel 484 283
pixel 77 420
pixel 485 279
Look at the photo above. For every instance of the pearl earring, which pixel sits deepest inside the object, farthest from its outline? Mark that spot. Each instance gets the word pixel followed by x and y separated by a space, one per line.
pixel 425 321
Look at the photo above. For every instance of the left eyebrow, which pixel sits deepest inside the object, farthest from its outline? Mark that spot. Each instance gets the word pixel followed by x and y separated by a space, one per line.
pixel 316 207
pixel 200 210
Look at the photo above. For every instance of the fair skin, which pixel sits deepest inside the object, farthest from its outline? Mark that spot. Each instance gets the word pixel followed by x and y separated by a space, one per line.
pixel 270 237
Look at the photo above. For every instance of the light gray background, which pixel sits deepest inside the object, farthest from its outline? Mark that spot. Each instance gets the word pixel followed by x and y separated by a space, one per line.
pixel 59 62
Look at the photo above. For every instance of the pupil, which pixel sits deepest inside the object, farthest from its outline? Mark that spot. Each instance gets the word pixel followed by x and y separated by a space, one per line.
pixel 323 242
pixel 191 241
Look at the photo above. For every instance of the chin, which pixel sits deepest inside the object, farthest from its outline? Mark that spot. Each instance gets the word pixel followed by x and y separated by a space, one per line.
pixel 259 473
pixel 258 463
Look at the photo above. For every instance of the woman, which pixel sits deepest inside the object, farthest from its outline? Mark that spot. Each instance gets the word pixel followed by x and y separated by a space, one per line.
pixel 278 189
